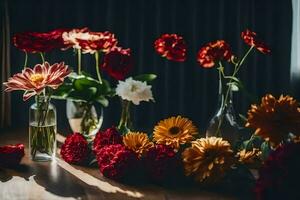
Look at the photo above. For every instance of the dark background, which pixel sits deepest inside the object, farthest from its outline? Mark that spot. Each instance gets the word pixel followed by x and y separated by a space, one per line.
pixel 181 88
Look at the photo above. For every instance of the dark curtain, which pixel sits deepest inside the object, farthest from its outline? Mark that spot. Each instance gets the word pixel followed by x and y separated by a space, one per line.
pixel 5 100
pixel 181 88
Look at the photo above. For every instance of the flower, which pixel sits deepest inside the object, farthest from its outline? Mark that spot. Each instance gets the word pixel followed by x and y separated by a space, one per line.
pixel 275 118
pixel 134 91
pixel 75 149
pixel 109 136
pixel 11 155
pixel 279 175
pixel 212 52
pixel 118 62
pixel 89 42
pixel 174 131
pixel 33 81
pixel 208 159
pixel 171 46
pixel 33 42
pixel 250 38
pixel 116 162
pixel 249 157
pixel 97 41
pixel 137 142
pixel 162 163
pixel 71 37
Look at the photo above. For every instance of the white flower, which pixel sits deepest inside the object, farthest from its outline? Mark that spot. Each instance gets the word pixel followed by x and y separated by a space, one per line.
pixel 134 91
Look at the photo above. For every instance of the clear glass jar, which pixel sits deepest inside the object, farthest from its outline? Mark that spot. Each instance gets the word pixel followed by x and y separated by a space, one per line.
pixel 83 117
pixel 125 124
pixel 42 129
pixel 224 123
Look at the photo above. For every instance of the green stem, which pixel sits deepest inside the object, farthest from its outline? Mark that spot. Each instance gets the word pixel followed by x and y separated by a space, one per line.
pixel 97 67
pixel 79 61
pixel 26 60
pixel 43 57
pixel 235 71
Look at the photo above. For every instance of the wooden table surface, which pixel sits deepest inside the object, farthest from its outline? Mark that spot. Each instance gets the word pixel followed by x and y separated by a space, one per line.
pixel 59 180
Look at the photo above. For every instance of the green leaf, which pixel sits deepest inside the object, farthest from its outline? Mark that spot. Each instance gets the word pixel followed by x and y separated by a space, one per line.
pixel 62 91
pixel 265 149
pixel 233 78
pixel 102 100
pixel 145 77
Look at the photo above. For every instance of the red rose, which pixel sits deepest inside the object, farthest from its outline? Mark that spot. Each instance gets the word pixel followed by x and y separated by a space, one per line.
pixel 212 52
pixel 250 38
pixel 33 42
pixel 118 62
pixel 109 136
pixel 11 155
pixel 75 149
pixel 171 46
pixel 116 162
pixel 162 163
pixel 97 41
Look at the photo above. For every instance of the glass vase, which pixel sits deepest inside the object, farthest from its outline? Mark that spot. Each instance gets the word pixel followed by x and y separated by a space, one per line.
pixel 83 117
pixel 125 124
pixel 224 123
pixel 42 129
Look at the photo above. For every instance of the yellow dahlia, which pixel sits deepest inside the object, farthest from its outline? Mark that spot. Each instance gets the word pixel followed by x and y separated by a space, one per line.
pixel 251 157
pixel 275 118
pixel 208 159
pixel 137 142
pixel 174 131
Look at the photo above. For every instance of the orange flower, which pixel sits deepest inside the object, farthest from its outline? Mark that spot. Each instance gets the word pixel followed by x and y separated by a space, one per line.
pixel 174 132
pixel 137 142
pixel 274 119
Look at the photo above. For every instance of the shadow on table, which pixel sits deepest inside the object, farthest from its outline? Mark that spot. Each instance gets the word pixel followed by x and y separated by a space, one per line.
pixel 22 171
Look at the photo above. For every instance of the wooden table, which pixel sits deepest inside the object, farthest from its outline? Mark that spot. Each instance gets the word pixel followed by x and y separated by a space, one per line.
pixel 59 180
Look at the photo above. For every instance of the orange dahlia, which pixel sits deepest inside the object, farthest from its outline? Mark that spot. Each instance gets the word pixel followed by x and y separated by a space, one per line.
pixel 274 119
pixel 208 159
pixel 249 157
pixel 137 142
pixel 174 131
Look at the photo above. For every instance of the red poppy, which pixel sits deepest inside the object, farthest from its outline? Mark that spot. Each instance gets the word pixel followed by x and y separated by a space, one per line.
pixel 212 52
pixel 11 155
pixel 118 63
pixel 33 42
pixel 250 38
pixel 171 46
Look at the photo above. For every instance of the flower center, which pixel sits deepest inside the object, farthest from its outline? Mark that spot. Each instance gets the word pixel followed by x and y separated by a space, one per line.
pixel 36 78
pixel 134 88
pixel 174 130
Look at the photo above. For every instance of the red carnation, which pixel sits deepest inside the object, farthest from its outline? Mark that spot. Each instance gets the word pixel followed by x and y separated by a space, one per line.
pixel 118 62
pixel 75 149
pixel 250 38
pixel 11 155
pixel 33 42
pixel 109 136
pixel 97 41
pixel 162 163
pixel 116 162
pixel 279 176
pixel 212 52
pixel 171 46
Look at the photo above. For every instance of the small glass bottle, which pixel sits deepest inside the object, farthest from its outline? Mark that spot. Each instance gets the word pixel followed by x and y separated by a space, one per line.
pixel 42 129
pixel 125 124
pixel 224 123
